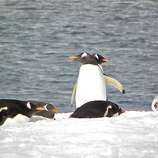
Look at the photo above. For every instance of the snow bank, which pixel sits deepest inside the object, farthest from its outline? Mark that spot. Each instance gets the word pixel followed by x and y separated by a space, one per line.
pixel 131 135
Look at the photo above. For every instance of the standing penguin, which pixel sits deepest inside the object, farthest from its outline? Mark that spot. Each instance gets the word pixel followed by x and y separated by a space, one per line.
pixel 94 78
pixel 10 109
pixel 90 90
pixel 91 83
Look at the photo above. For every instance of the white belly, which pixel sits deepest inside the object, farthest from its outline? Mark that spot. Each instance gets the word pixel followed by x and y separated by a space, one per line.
pixel 19 119
pixel 91 85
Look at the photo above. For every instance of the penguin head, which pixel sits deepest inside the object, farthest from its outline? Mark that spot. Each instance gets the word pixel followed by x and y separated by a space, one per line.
pixel 113 110
pixel 86 58
pixel 46 110
pixel 46 107
pixel 100 59
pixel 154 104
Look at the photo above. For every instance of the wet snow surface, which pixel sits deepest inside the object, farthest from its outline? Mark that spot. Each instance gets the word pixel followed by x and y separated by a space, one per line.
pixel 133 134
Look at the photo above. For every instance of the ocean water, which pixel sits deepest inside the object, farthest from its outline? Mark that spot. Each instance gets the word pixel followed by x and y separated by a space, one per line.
pixel 36 38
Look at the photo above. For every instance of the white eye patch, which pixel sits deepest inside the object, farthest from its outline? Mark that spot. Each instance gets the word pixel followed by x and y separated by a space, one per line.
pixel 107 110
pixel 84 55
pixel 28 105
pixel 45 107
pixel 96 55
pixel 3 108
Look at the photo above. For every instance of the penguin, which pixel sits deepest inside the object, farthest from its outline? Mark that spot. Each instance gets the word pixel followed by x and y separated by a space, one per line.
pixel 11 108
pixel 99 58
pixel 96 109
pixel 154 105
pixel 49 113
pixel 91 83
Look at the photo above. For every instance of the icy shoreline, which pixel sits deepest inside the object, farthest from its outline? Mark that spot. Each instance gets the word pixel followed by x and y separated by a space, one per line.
pixel 133 134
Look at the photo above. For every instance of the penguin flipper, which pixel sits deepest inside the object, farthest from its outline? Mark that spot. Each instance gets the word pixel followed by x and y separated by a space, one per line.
pixel 115 83
pixel 73 94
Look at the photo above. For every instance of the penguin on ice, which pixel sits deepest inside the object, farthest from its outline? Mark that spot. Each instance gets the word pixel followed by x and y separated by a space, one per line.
pixel 49 111
pixel 90 90
pixel 11 110
pixel 91 84
pixel 95 109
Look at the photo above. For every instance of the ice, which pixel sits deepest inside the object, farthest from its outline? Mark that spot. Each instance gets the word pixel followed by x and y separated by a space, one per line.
pixel 131 135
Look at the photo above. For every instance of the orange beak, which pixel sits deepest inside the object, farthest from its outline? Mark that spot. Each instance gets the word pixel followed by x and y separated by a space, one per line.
pixel 74 57
pixel 104 60
pixel 54 110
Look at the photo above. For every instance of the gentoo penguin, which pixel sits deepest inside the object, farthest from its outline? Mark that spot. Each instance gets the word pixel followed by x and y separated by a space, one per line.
pixel 49 113
pixel 154 104
pixel 10 109
pixel 91 83
pixel 95 109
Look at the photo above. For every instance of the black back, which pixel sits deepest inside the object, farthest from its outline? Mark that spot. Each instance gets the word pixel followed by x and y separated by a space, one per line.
pixel 9 108
pixel 3 116
pixel 95 109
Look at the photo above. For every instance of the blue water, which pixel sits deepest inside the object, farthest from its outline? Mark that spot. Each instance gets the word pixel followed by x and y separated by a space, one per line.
pixel 36 38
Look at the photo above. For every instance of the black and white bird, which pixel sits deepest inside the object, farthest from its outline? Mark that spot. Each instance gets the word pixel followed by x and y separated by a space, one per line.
pixel 98 108
pixel 49 111
pixel 90 90
pixel 12 110
pixel 91 82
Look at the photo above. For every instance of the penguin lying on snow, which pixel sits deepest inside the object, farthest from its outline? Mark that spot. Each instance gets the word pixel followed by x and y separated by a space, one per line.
pixel 49 111
pixel 90 90
pixel 95 109
pixel 10 109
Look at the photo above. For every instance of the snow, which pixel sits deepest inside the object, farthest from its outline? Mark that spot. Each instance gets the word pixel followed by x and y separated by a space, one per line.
pixel 133 134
